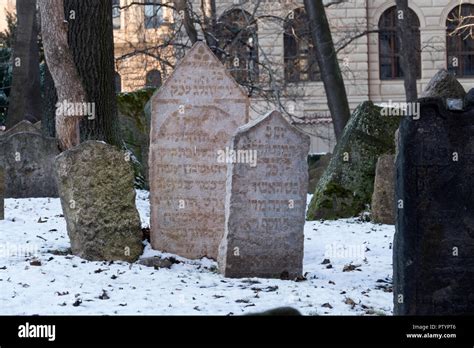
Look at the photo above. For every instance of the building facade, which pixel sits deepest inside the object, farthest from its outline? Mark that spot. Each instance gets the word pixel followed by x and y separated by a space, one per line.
pixel 273 56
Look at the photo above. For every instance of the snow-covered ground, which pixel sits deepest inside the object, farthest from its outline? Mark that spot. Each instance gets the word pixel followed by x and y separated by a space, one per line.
pixel 356 281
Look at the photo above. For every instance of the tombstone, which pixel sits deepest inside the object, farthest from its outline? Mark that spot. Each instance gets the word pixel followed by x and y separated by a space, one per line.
pixel 345 189
pixel 194 115
pixel 95 182
pixel 2 193
pixel 434 240
pixel 383 199
pixel 28 159
pixel 23 126
pixel 265 201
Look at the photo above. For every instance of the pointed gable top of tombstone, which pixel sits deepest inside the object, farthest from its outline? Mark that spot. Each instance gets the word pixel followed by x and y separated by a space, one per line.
pixel 23 126
pixel 273 116
pixel 200 74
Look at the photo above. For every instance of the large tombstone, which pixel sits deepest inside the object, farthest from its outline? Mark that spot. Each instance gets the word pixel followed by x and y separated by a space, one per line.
pixel 95 183
pixel 434 241
pixel 2 193
pixel 28 159
pixel 267 183
pixel 194 115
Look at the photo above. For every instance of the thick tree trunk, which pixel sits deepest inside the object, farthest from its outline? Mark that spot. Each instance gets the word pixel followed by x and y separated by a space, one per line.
pixel 90 37
pixel 25 101
pixel 408 55
pixel 59 59
pixel 328 65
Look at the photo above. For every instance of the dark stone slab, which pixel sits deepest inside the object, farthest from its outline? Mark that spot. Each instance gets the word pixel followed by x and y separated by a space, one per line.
pixel 433 255
pixel 28 159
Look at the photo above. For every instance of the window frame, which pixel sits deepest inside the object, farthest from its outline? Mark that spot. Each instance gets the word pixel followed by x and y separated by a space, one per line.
pixel 459 42
pixel 297 41
pixel 394 56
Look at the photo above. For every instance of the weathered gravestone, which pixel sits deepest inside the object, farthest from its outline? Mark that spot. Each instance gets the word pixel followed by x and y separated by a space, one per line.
pixel 383 199
pixel 95 183
pixel 347 185
pixel 433 255
pixel 23 126
pixel 265 201
pixel 194 115
pixel 2 193
pixel 28 159
pixel 134 125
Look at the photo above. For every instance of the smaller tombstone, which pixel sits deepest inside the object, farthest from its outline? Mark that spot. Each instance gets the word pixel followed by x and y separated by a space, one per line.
pixel 267 180
pixel 2 193
pixel 95 183
pixel 28 159
pixel 23 126
pixel 383 199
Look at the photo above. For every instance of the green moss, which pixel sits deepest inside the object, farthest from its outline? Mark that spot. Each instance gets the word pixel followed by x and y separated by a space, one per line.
pixel 347 184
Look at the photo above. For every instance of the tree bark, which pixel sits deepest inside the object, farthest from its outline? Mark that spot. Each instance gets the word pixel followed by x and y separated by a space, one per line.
pixel 208 8
pixel 328 65
pixel 25 101
pixel 182 6
pixel 59 59
pixel 90 37
pixel 408 55
pixel 50 99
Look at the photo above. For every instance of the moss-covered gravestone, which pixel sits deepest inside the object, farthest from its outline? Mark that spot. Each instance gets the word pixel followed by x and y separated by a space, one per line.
pixel 135 129
pixel 95 183
pixel 433 252
pixel 347 185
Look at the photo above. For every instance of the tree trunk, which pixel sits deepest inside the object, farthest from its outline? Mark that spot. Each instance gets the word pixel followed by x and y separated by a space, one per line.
pixel 90 37
pixel 208 8
pixel 25 101
pixel 328 65
pixel 408 55
pixel 59 59
pixel 182 6
pixel 50 99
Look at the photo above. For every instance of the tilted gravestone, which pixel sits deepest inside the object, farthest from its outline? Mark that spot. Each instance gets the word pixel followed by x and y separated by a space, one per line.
pixel 194 115
pixel 433 255
pixel 2 193
pixel 95 183
pixel 265 201
pixel 28 159
pixel 347 184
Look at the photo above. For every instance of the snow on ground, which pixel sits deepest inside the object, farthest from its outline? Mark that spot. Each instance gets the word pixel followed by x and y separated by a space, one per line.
pixel 36 279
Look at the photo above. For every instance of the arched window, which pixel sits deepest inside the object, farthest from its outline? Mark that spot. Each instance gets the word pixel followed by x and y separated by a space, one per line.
pixel 299 53
pixel 153 14
pixel 238 41
pixel 118 83
pixel 116 14
pixel 460 43
pixel 389 46
pixel 153 79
